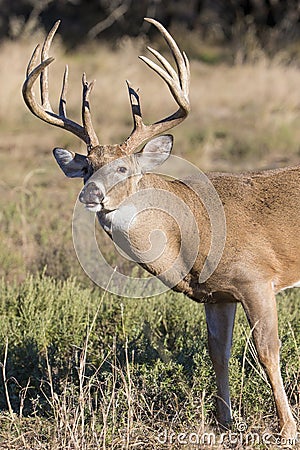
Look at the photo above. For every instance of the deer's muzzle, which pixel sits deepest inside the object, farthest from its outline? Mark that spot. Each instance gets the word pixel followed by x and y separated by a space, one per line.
pixel 91 195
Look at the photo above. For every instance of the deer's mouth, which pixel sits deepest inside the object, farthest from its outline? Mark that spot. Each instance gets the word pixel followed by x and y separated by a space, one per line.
pixel 97 207
pixel 94 206
pixel 92 197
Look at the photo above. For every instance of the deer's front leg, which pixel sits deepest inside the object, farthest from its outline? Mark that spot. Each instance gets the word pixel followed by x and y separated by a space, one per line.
pixel 260 306
pixel 220 321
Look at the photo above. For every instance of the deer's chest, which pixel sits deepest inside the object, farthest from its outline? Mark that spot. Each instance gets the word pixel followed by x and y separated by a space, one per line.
pixel 119 220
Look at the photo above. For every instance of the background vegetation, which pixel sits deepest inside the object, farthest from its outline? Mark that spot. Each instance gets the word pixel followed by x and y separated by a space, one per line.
pixel 82 369
pixel 273 22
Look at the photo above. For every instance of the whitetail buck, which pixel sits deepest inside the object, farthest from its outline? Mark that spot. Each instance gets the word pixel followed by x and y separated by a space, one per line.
pixel 261 255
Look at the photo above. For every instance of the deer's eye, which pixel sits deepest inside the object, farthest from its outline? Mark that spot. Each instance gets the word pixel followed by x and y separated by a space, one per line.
pixel 122 169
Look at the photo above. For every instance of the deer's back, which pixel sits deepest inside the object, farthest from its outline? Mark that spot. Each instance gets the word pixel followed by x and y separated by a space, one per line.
pixel 262 212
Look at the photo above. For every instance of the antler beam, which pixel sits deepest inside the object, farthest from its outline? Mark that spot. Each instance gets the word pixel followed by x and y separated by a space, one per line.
pixel 178 83
pixel 176 80
pixel 44 111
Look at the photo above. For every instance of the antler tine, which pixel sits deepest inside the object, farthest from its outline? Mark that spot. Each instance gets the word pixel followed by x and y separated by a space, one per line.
pixel 178 83
pixel 32 61
pixel 44 79
pixel 86 113
pixel 164 62
pixel 173 84
pixel 135 104
pixel 44 111
pixel 178 56
pixel 63 96
pixel 188 71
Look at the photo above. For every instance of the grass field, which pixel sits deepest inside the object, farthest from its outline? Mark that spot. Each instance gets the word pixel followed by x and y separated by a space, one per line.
pixel 81 368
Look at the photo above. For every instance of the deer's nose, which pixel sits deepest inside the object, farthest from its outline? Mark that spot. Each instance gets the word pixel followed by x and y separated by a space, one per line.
pixel 91 193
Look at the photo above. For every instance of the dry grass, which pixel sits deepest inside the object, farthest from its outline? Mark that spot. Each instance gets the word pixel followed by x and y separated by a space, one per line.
pixel 82 371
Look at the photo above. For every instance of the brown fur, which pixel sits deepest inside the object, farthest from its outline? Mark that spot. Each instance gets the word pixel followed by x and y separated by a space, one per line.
pixel 261 254
pixel 260 258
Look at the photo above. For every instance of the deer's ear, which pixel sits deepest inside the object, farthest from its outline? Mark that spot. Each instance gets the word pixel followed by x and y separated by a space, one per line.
pixel 72 164
pixel 155 152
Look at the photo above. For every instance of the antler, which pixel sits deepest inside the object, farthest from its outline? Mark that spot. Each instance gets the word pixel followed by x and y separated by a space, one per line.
pixel 44 111
pixel 178 83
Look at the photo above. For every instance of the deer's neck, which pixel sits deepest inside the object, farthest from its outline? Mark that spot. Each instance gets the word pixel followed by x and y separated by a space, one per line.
pixel 178 228
pixel 165 228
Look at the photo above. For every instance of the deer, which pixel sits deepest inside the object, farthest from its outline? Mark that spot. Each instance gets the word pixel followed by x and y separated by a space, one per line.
pixel 261 251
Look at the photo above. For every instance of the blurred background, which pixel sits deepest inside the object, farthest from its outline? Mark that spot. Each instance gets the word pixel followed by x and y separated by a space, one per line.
pixel 275 23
